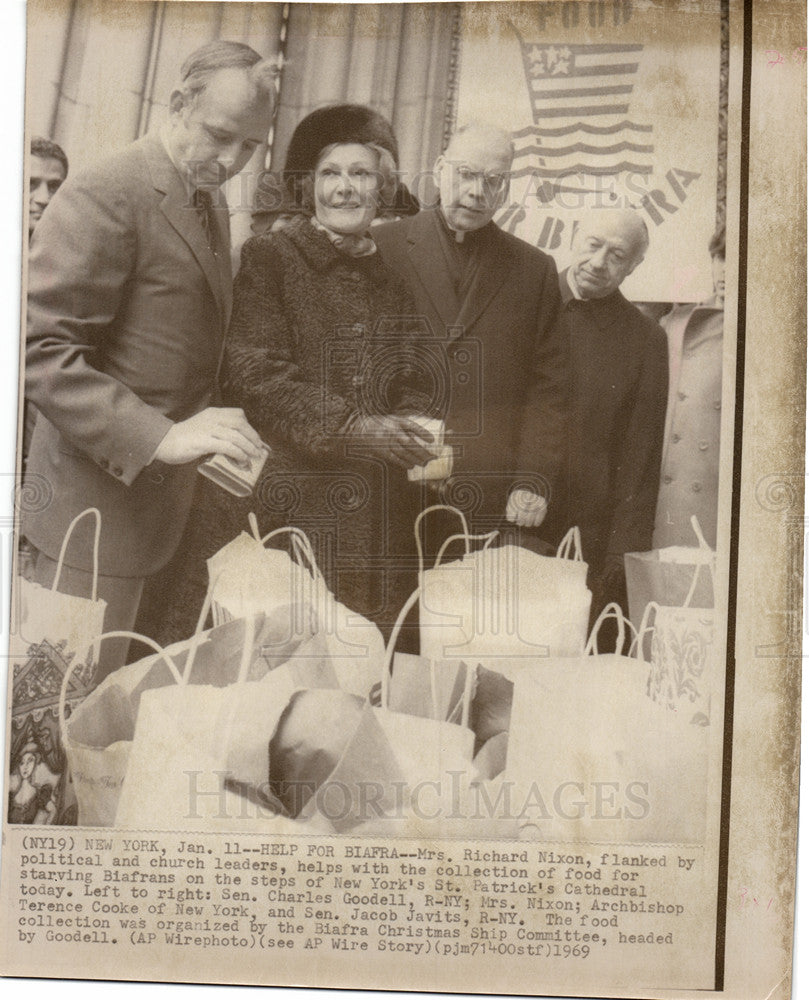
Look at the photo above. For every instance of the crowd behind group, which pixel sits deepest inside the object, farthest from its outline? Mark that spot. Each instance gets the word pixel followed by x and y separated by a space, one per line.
pixel 363 337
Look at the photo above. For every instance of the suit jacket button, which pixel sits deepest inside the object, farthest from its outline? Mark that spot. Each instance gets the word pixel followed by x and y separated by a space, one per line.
pixel 675 438
pixel 697 487
pixel 668 479
pixel 117 470
pixel 703 446
pixel 157 478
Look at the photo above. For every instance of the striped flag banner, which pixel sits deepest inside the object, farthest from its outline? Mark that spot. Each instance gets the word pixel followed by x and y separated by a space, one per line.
pixel 583 127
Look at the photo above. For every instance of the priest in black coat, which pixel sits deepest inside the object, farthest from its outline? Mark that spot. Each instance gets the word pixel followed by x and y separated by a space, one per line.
pixel 494 356
pixel 619 362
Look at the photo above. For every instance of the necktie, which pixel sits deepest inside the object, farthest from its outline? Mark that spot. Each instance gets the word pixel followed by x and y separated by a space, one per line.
pixel 203 203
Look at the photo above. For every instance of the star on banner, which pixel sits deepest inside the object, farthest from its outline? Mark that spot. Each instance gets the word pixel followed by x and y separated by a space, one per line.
pixel 550 60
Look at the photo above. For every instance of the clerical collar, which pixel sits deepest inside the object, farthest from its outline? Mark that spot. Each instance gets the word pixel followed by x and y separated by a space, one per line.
pixel 461 237
pixel 571 284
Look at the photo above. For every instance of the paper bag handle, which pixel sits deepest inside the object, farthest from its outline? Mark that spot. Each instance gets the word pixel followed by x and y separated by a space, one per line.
pixel 645 626
pixel 612 610
pixel 709 562
pixel 97 642
pixel 305 555
pixel 301 546
pixel 300 543
pixel 200 626
pixel 420 517
pixel 263 539
pixel 96 541
pixel 487 539
pixel 571 543
pixel 387 663
pixel 247 648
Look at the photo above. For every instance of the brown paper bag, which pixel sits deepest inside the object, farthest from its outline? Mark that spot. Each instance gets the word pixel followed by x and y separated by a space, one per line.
pixel 331 763
pixel 673 577
pixel 194 741
pixel 248 577
pixel 51 636
pixel 98 734
pixel 592 758
pixel 505 607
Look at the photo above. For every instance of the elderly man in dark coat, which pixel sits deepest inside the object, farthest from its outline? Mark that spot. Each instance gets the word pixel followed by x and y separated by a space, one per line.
pixel 618 405
pixel 501 363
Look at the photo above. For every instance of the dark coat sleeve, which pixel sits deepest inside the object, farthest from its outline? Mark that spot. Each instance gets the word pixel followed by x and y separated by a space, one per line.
pixel 403 364
pixel 637 476
pixel 543 430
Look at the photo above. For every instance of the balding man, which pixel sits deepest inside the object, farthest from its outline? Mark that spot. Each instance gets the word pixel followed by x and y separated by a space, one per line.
pixel 619 361
pixel 492 302
pixel 129 293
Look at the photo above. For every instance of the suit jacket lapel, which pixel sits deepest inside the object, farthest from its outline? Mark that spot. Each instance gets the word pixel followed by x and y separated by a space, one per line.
pixel 182 216
pixel 492 273
pixel 427 260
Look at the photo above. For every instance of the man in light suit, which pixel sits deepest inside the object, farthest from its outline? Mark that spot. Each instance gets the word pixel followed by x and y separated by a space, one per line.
pixel 129 296
pixel 492 302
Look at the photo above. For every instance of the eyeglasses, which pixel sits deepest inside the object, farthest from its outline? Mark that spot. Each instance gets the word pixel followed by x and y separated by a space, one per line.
pixel 492 182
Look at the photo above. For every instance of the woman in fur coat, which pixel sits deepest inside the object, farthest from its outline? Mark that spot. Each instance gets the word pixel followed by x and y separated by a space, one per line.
pixel 323 357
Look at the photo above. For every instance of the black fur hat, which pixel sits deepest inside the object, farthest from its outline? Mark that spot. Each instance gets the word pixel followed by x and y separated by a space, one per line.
pixel 336 123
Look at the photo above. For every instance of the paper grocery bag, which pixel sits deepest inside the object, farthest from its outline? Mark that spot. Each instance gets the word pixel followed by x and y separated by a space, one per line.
pixel 665 576
pixel 330 762
pixel 504 607
pixel 98 734
pixel 353 642
pixel 677 576
pixel 592 758
pixel 680 672
pixel 436 744
pixel 63 620
pixel 180 766
pixel 248 577
pixel 51 638
pixel 179 770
